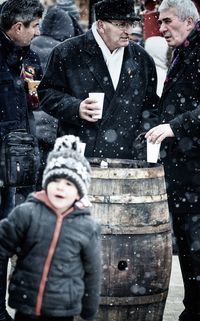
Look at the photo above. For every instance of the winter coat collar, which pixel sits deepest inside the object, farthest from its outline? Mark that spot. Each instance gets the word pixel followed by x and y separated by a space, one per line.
pixel 192 38
pixel 12 53
pixel 79 205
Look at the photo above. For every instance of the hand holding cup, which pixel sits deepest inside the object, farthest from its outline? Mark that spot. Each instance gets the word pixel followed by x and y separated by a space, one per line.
pixel 153 150
pixel 32 86
pixel 99 98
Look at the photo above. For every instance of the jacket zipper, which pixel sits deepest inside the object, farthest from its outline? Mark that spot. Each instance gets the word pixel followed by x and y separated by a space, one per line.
pixel 48 261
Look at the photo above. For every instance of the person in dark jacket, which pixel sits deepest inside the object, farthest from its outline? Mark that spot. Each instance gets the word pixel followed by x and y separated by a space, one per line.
pixel 179 131
pixel 56 26
pixel 58 269
pixel 102 60
pixel 69 6
pixel 19 23
pixel 16 59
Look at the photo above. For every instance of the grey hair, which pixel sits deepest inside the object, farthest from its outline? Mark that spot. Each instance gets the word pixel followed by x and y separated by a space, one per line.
pixel 184 8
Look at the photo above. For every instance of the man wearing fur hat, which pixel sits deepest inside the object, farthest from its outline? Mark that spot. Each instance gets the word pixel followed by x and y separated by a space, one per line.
pixel 102 60
pixel 58 269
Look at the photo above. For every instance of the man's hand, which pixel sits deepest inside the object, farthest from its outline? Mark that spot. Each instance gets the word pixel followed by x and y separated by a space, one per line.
pixel 159 133
pixel 4 316
pixel 32 101
pixel 88 109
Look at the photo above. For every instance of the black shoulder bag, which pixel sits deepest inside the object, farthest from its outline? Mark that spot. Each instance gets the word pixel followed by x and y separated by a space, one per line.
pixel 18 159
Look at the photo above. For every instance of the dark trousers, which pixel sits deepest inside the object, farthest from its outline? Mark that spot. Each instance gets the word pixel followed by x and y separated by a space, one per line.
pixel 187 232
pixel 6 205
pixel 23 317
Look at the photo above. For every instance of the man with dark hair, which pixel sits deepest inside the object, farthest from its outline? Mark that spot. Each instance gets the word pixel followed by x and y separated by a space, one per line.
pixel 19 24
pixel 21 11
pixel 102 60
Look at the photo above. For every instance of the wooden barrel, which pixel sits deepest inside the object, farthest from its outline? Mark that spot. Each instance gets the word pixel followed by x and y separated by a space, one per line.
pixel 129 198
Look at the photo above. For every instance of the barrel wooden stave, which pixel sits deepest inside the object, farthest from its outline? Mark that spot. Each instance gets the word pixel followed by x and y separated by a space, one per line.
pixel 125 269
pixel 131 204
pixel 143 312
pixel 112 186
pixel 131 214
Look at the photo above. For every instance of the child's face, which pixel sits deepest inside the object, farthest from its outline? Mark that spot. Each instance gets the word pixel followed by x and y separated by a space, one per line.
pixel 62 194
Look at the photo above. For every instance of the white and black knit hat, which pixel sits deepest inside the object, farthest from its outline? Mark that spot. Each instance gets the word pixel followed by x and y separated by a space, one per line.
pixel 67 161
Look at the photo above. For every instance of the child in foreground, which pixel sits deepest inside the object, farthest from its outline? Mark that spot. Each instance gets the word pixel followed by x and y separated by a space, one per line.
pixel 58 270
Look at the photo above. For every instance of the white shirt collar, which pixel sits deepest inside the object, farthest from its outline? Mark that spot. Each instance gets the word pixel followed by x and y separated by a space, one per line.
pixel 113 59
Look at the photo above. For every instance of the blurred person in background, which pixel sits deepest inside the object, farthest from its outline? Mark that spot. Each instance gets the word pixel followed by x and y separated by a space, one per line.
pixel 69 6
pixel 137 35
pixel 154 42
pixel 57 26
pixel 158 48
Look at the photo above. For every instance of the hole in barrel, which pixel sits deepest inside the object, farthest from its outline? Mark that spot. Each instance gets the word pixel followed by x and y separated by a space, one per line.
pixel 122 265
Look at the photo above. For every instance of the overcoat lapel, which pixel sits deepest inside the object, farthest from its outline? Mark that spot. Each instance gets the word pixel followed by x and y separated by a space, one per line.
pixel 129 69
pixel 97 66
pixel 99 70
pixel 126 79
pixel 175 73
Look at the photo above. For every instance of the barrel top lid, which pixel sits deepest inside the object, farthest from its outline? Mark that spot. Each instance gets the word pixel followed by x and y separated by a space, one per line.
pixel 124 168
pixel 120 163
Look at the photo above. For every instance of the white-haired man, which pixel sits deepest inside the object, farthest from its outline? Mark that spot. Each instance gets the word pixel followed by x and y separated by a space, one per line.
pixel 179 133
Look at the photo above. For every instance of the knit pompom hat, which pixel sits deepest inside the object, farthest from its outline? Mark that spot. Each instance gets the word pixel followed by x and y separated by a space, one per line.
pixel 67 161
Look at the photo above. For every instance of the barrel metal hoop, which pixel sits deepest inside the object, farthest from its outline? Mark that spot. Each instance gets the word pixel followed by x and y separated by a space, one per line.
pixel 135 230
pixel 127 199
pixel 136 300
pixel 127 173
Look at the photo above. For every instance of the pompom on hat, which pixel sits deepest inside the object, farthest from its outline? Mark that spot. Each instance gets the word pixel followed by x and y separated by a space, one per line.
pixel 115 10
pixel 66 161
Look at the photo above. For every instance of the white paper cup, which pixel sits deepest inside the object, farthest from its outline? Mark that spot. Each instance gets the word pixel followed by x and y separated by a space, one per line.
pixel 153 151
pixel 82 145
pixel 99 97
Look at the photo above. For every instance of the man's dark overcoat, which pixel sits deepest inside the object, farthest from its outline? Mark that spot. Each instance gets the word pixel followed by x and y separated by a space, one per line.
pixel 77 67
pixel 14 112
pixel 180 106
